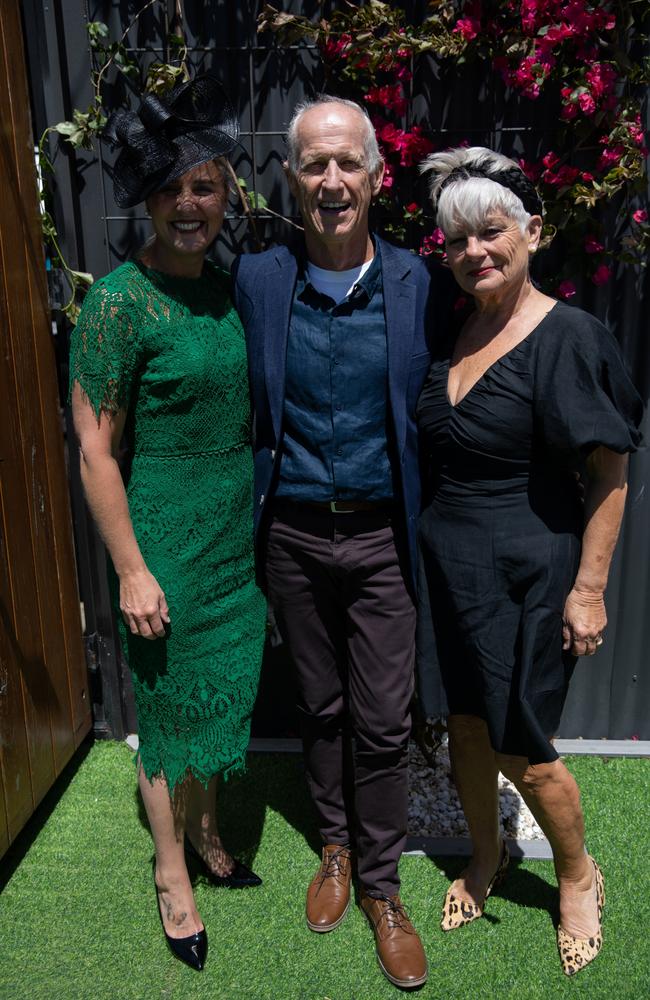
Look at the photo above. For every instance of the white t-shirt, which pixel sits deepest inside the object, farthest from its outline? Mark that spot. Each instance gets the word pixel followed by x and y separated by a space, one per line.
pixel 336 284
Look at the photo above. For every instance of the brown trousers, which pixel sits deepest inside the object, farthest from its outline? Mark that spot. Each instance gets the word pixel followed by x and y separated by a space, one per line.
pixel 336 585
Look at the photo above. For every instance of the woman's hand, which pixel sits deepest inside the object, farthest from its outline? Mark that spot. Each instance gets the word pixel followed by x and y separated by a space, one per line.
pixel 583 622
pixel 143 604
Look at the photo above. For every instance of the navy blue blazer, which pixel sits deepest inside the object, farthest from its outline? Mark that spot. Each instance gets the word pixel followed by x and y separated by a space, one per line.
pixel 414 301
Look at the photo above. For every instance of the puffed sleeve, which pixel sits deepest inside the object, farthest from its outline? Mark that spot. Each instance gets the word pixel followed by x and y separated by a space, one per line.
pixel 104 350
pixel 584 396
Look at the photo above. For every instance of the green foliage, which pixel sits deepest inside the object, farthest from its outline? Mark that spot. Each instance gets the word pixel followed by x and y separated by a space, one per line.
pixel 581 55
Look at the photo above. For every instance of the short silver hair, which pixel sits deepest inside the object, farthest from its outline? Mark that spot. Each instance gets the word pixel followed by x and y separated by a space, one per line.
pixel 466 203
pixel 371 152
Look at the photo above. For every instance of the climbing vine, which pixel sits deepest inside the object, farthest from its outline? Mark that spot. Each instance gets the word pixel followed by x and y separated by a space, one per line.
pixel 590 60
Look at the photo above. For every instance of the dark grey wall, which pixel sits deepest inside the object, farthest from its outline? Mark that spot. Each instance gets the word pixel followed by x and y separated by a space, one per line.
pixel 610 695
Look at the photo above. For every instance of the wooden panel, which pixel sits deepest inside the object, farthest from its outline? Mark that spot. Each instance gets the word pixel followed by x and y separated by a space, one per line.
pixel 46 711
pixel 19 503
pixel 14 751
pixel 51 523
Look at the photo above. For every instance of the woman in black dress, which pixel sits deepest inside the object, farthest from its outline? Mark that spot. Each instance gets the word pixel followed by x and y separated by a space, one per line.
pixel 514 565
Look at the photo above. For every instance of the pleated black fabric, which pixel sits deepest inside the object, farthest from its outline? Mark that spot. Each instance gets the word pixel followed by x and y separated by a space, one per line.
pixel 500 537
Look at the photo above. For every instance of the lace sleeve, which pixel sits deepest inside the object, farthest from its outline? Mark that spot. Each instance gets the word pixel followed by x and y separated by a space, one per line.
pixel 104 348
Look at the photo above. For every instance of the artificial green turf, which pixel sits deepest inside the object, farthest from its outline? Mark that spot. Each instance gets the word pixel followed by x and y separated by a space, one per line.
pixel 78 917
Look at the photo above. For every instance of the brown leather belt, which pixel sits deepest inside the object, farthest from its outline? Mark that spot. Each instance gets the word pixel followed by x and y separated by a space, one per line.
pixel 337 506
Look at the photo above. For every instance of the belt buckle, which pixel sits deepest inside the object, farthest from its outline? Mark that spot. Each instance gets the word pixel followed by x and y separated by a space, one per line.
pixel 334 509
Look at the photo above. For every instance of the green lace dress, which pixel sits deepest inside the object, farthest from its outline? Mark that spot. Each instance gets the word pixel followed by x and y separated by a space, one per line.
pixel 171 351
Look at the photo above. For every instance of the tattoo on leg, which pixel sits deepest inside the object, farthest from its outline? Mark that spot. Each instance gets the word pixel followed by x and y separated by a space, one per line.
pixel 177 919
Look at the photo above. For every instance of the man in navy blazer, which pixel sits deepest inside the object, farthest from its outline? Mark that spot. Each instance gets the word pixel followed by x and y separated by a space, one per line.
pixel 338 348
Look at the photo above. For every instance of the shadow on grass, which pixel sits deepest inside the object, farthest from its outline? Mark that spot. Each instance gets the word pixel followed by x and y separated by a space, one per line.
pixel 24 840
pixel 520 886
pixel 270 781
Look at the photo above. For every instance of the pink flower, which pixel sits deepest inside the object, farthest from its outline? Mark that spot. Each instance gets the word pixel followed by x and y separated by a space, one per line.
pixel 586 177
pixel 587 103
pixel 610 157
pixel 413 207
pixel 640 216
pixel 636 131
pixel 564 177
pixel 601 78
pixel 336 49
pixel 602 274
pixel 433 245
pixel 550 160
pixel 387 182
pixel 532 170
pixel 411 146
pixel 569 111
pixel 566 289
pixel 529 76
pixel 592 245
pixel 391 97
pixel 468 27
pixel 415 146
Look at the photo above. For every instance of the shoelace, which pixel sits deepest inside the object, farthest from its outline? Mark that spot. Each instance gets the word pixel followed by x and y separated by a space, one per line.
pixel 394 914
pixel 334 868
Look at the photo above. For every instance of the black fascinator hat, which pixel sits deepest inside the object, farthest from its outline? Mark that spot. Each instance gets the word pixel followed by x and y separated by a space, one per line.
pixel 169 135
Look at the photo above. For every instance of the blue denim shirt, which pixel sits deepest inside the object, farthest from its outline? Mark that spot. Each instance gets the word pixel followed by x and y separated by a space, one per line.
pixel 335 444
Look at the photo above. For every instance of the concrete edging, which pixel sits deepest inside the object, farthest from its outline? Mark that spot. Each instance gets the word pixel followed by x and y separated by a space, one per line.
pixel 538 850
pixel 599 748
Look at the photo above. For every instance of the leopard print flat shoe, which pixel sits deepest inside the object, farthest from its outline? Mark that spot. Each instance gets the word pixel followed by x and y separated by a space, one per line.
pixel 457 912
pixel 576 953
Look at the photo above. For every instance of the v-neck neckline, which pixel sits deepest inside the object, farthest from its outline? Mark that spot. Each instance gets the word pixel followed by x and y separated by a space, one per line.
pixel 502 357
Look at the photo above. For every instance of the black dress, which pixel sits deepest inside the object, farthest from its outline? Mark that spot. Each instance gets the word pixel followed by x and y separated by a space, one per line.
pixel 500 539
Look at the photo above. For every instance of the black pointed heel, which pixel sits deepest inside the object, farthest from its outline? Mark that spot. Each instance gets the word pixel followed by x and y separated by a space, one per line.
pixel 192 949
pixel 240 877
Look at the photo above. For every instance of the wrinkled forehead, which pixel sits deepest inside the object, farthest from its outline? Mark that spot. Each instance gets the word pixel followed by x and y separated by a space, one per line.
pixel 331 129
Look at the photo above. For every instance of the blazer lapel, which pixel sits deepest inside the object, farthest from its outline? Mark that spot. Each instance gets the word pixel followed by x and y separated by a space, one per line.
pixel 399 304
pixel 279 285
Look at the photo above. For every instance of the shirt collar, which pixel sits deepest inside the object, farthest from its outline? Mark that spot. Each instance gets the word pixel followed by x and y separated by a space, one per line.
pixel 366 286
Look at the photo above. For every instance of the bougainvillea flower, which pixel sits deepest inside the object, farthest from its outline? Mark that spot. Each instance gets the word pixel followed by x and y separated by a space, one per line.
pixel 602 274
pixel 566 289
pixel 391 97
pixel 592 245
pixel 532 170
pixel 640 216
pixel 587 103
pixel 564 177
pixel 336 49
pixel 610 157
pixel 468 27
pixel 601 78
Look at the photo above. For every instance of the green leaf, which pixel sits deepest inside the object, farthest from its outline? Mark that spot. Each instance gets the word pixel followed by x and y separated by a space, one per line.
pixel 96 31
pixel 257 200
pixel 83 276
pixel 66 128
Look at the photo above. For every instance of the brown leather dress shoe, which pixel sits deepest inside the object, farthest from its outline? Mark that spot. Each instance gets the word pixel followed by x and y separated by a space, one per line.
pixel 399 949
pixel 328 895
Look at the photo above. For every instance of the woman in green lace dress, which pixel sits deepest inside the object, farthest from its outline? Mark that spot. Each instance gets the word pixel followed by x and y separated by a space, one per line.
pixel 158 356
